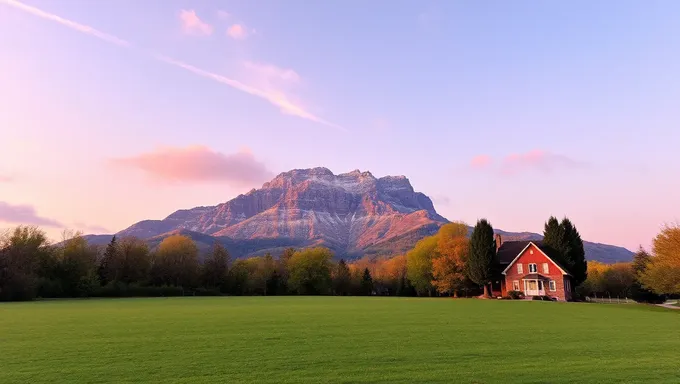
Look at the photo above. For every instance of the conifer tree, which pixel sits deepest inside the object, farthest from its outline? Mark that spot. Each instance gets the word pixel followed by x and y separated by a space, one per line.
pixel 366 283
pixel 482 255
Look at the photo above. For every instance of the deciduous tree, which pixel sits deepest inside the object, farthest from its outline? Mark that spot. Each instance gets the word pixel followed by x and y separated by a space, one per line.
pixel 175 262
pixel 419 264
pixel 310 271
pixel 662 275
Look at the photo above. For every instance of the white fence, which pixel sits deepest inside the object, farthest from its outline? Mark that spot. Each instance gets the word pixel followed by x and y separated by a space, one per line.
pixel 610 300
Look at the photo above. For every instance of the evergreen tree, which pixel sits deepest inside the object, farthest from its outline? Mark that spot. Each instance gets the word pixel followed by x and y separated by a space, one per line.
pixel 366 283
pixel 566 246
pixel 216 268
pixel 482 255
pixel 574 252
pixel 342 279
pixel 105 263
pixel 552 237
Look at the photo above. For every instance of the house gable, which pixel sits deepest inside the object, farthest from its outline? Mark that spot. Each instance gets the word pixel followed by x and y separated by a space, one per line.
pixel 533 254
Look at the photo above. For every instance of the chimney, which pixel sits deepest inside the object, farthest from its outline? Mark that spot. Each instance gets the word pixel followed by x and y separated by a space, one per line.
pixel 499 241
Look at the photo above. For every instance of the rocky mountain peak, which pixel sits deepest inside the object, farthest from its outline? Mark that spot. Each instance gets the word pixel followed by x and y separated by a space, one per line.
pixel 353 213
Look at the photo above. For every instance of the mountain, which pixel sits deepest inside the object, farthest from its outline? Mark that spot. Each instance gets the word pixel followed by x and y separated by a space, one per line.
pixel 355 214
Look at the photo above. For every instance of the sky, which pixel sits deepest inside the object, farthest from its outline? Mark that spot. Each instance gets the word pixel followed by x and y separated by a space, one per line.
pixel 116 111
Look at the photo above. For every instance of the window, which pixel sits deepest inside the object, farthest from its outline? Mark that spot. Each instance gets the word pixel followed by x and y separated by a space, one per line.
pixel 519 268
pixel 532 268
pixel 546 269
pixel 553 286
pixel 515 285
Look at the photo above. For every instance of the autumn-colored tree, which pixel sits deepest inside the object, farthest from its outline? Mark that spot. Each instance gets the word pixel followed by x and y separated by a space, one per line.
pixel 389 276
pixel 482 255
pixel 662 275
pixel 641 261
pixel 261 270
pixel 448 269
pixel 175 262
pixel 216 268
pixel 310 271
pixel 419 264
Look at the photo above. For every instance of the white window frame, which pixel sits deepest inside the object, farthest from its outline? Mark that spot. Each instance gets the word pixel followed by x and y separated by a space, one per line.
pixel 515 285
pixel 534 269
pixel 546 268
pixel 553 285
pixel 520 269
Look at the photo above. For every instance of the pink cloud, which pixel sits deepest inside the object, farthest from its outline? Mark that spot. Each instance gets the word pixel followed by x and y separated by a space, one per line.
pixel 24 214
pixel 224 15
pixel 237 32
pixel 195 164
pixel 532 161
pixel 91 228
pixel 6 179
pixel 192 24
pixel 481 161
pixel 537 160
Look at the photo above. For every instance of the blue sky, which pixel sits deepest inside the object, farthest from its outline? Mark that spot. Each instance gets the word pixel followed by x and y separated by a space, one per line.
pixel 507 110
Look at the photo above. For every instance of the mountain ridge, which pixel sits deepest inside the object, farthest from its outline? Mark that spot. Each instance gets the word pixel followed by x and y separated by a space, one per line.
pixel 354 213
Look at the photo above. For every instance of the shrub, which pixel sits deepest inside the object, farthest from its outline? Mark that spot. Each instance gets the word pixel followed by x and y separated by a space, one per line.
pixel 543 298
pixel 118 289
pixel 515 295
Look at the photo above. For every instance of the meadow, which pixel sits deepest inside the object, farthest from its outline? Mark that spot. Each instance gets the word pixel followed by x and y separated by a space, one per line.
pixel 336 340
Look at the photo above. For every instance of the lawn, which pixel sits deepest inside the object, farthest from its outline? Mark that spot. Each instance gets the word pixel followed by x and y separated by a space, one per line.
pixel 336 340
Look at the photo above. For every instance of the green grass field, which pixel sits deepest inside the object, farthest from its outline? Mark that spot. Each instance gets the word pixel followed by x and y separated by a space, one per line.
pixel 336 339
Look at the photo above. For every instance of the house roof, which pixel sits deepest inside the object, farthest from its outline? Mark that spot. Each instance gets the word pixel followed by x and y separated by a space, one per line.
pixel 509 251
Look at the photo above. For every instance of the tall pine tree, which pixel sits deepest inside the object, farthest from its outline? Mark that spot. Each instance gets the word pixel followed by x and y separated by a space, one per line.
pixel 482 255
pixel 366 283
pixel 565 242
pixel 105 263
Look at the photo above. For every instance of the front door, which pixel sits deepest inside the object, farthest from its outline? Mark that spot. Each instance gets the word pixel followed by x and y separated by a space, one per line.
pixel 533 288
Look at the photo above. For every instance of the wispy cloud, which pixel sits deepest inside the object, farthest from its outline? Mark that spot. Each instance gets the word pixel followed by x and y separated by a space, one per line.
pixel 96 229
pixel 481 161
pixel 193 25
pixel 537 160
pixel 68 23
pixel 237 32
pixel 279 99
pixel 24 214
pixel 199 164
pixel 519 163
pixel 223 15
pixel 6 179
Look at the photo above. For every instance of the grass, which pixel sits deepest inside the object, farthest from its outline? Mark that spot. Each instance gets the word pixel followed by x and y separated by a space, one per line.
pixel 336 340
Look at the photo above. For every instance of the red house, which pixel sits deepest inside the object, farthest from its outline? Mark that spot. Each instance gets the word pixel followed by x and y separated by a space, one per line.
pixel 526 267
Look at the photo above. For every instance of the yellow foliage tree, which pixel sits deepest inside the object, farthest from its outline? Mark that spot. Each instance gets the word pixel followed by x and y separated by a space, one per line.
pixel 176 261
pixel 663 272
pixel 448 268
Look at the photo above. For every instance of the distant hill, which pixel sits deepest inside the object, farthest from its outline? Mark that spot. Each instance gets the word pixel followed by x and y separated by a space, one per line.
pixel 355 214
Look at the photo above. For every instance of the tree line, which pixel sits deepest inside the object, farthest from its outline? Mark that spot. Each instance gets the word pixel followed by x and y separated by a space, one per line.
pixel 447 263
pixel 648 278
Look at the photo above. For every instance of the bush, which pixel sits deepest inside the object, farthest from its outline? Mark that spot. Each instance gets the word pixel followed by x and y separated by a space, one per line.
pixel 118 289
pixel 207 292
pixel 543 298
pixel 515 295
